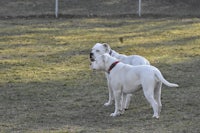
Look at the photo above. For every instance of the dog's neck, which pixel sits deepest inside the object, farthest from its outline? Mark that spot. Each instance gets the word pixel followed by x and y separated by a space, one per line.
pixel 113 53
pixel 112 66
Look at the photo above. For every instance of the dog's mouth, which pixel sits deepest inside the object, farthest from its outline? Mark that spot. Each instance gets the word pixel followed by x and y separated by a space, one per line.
pixel 92 57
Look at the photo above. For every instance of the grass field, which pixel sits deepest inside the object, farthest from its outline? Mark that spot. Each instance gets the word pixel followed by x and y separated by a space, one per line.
pixel 46 84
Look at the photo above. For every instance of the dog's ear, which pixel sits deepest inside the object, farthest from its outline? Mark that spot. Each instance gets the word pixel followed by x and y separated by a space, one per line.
pixel 107 47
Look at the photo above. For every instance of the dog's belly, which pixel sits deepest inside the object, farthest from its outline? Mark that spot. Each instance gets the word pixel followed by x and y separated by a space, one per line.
pixel 132 89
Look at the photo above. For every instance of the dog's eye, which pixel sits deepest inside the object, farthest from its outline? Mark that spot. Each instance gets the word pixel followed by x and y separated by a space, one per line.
pixel 97 51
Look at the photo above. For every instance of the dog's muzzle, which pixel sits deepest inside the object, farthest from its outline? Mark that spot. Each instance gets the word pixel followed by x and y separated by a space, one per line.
pixel 92 57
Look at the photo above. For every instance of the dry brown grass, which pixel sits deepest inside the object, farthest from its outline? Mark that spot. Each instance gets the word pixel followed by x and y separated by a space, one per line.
pixel 46 84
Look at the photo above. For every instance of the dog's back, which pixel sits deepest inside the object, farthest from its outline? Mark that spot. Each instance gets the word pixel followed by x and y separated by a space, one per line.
pixel 135 60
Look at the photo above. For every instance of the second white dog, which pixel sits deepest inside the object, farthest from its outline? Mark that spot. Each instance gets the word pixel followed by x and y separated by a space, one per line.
pixel 125 79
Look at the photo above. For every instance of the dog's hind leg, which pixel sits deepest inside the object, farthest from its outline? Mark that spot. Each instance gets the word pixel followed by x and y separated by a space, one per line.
pixel 128 100
pixel 149 94
pixel 157 95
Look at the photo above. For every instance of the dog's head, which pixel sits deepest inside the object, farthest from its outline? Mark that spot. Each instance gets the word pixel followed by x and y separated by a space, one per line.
pixel 99 49
pixel 98 63
pixel 102 62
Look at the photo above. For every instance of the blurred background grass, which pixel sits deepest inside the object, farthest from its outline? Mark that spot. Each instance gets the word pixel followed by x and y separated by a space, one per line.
pixel 71 8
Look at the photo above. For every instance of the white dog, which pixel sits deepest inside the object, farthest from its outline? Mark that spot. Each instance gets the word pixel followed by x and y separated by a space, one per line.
pixel 125 79
pixel 100 49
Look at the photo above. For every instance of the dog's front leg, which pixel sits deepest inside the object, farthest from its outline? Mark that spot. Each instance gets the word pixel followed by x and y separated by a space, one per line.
pixel 123 102
pixel 110 91
pixel 117 96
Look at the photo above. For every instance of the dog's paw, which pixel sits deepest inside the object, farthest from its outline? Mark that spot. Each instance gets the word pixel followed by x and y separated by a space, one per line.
pixel 107 104
pixel 114 114
pixel 156 116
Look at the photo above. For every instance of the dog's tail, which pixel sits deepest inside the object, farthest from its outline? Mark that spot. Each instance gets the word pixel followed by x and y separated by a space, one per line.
pixel 163 80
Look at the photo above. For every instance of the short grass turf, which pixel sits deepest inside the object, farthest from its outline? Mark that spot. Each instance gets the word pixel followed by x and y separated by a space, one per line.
pixel 46 84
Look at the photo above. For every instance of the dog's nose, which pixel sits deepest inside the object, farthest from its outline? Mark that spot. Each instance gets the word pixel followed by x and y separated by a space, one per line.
pixel 91 57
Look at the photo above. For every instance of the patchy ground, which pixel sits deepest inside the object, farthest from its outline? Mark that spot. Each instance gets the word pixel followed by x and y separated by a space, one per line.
pixel 46 84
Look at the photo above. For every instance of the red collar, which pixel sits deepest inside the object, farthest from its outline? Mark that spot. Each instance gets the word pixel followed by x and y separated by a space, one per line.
pixel 112 66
